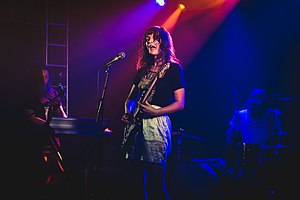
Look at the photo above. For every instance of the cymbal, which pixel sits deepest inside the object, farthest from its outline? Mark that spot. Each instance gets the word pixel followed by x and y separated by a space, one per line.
pixel 281 97
pixel 181 134
pixel 278 146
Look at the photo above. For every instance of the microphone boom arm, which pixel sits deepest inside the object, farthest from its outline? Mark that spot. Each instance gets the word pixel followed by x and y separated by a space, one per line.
pixel 100 106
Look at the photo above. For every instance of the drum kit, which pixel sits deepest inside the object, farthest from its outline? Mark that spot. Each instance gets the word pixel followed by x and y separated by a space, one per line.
pixel 250 154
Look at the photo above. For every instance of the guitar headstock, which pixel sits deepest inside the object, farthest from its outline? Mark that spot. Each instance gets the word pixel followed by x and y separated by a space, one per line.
pixel 163 70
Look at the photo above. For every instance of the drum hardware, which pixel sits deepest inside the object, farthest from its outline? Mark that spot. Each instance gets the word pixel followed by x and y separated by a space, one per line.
pixel 244 150
pixel 179 149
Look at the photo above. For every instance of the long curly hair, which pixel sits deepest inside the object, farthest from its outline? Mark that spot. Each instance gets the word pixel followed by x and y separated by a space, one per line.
pixel 167 54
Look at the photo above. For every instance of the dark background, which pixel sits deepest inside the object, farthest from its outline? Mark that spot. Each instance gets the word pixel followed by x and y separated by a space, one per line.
pixel 225 56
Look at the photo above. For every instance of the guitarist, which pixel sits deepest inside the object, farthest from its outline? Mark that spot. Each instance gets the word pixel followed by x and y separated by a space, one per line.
pixel 41 102
pixel 158 90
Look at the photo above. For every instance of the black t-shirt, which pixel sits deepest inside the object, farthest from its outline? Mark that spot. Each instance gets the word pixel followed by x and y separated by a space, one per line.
pixel 164 89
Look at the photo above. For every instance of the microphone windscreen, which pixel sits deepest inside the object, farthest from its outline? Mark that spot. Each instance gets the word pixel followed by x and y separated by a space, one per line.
pixel 122 55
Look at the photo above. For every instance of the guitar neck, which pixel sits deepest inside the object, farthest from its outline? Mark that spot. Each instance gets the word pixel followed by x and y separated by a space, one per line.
pixel 150 86
pixel 147 91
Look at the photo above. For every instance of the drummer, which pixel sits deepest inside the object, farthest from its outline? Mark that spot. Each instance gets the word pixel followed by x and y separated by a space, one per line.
pixel 256 126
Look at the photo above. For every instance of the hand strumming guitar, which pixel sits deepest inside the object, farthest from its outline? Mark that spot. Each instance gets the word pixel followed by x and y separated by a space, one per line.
pixel 148 109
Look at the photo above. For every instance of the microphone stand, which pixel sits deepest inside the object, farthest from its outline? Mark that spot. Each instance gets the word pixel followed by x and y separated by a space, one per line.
pixel 100 110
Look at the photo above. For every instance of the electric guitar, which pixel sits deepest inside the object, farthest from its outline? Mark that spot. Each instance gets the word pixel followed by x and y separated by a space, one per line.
pixel 131 129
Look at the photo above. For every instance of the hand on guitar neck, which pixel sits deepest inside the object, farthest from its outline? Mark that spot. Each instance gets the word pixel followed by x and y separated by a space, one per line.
pixel 127 118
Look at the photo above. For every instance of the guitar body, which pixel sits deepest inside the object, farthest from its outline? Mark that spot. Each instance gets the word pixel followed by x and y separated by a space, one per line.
pixel 130 132
pixel 132 129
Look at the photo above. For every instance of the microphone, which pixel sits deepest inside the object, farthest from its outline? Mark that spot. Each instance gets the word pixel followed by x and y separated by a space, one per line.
pixel 62 90
pixel 121 55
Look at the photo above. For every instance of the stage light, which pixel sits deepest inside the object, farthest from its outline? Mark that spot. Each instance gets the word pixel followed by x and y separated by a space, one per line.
pixel 160 2
pixel 181 6
pixel 173 18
